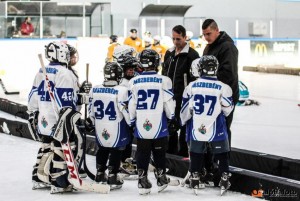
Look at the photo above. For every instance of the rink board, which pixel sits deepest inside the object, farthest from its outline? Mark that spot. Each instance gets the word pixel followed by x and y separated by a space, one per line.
pixel 252 171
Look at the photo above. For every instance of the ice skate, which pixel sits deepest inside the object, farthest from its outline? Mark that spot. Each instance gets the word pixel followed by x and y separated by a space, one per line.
pixel 82 173
pixel 195 182
pixel 39 185
pixel 144 184
pixel 224 182
pixel 162 180
pixel 55 189
pixel 128 169
pixel 101 177
pixel 114 180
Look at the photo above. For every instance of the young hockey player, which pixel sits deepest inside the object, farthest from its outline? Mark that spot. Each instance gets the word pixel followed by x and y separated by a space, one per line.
pixel 128 64
pixel 205 104
pixel 110 116
pixel 43 117
pixel 151 104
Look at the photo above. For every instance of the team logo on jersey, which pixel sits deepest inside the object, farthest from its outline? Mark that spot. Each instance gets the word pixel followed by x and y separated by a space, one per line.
pixel 44 122
pixel 202 129
pixel 105 134
pixel 147 125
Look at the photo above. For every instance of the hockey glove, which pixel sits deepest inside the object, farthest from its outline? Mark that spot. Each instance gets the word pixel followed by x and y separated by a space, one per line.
pixel 89 125
pixel 82 98
pixel 173 126
pixel 32 125
pixel 85 87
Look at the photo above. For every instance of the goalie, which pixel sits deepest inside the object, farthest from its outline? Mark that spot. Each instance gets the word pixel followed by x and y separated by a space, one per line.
pixel 50 169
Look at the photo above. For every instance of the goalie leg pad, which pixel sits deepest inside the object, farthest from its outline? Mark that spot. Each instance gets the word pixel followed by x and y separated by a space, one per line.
pixel 65 124
pixel 59 173
pixel 43 154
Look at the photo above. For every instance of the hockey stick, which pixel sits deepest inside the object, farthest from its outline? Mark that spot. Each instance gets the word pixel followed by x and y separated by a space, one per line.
pixel 73 177
pixel 6 92
pixel 87 80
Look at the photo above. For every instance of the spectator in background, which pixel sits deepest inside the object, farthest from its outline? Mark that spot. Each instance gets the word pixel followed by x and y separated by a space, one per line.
pixel 177 64
pixel 27 28
pixel 161 50
pixel 113 43
pixel 220 45
pixel 134 41
pixel 189 36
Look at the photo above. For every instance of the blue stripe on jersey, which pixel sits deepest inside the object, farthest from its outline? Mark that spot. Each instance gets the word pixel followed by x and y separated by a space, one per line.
pixel 228 100
pixel 57 99
pixel 148 73
pixel 185 103
pixel 118 136
pixel 214 132
pixel 33 90
pixel 169 92
pixel 158 131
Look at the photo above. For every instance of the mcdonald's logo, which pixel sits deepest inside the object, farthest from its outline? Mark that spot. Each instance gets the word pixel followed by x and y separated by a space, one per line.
pixel 257 193
pixel 260 50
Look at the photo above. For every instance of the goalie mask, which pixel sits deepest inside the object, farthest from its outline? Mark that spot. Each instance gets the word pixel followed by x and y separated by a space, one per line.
pixel 113 71
pixel 149 59
pixel 57 52
pixel 208 65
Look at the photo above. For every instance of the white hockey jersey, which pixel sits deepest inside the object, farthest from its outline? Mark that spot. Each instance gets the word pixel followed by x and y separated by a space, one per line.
pixel 205 104
pixel 110 115
pixel 64 85
pixel 150 104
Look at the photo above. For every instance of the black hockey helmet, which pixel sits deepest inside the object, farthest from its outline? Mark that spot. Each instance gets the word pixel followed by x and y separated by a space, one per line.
pixel 208 65
pixel 113 71
pixel 149 58
pixel 74 57
pixel 126 62
pixel 113 38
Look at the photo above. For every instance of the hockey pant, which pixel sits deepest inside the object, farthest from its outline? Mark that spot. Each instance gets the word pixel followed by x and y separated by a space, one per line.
pixel 158 148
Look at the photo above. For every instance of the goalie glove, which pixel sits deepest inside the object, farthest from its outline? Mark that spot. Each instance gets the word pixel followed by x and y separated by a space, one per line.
pixel 173 126
pixel 85 87
pixel 32 125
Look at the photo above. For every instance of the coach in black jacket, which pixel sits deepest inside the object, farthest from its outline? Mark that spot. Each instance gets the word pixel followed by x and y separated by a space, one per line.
pixel 222 47
pixel 177 63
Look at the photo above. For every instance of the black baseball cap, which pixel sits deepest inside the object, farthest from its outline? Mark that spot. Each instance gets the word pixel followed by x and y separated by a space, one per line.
pixel 133 30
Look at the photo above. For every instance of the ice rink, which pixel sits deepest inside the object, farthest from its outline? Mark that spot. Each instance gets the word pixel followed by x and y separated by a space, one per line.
pixel 271 128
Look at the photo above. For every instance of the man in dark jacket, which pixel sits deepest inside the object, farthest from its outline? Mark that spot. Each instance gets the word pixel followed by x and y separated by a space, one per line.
pixel 222 47
pixel 177 63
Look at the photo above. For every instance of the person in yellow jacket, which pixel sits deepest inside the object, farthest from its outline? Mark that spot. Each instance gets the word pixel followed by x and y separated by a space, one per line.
pixel 161 50
pixel 134 41
pixel 113 43
pixel 189 36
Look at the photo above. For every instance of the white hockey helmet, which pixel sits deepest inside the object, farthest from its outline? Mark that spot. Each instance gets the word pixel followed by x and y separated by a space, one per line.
pixel 157 38
pixel 57 51
pixel 189 34
pixel 195 68
pixel 123 50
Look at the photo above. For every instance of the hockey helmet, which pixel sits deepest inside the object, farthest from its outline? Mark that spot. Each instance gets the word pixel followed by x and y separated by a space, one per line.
pixel 208 65
pixel 113 38
pixel 113 71
pixel 127 62
pixel 74 57
pixel 123 50
pixel 57 52
pixel 157 38
pixel 195 68
pixel 149 58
